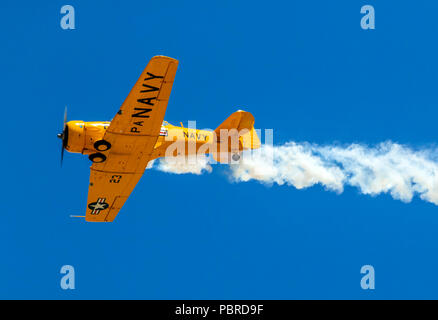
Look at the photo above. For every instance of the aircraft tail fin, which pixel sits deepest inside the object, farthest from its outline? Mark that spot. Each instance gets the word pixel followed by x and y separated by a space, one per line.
pixel 239 124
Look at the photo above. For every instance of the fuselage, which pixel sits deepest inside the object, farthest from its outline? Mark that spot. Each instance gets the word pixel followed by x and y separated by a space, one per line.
pixel 80 137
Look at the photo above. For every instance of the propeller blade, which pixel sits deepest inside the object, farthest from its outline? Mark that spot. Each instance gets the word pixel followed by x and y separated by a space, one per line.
pixel 65 117
pixel 62 155
pixel 63 135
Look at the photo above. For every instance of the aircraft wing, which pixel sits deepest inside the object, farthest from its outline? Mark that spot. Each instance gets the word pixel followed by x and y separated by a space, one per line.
pixel 132 135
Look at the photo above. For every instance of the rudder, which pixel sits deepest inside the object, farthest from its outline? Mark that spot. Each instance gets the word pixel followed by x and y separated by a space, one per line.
pixel 239 123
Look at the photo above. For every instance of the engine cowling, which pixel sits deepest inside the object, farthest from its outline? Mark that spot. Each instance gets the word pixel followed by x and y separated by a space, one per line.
pixel 81 136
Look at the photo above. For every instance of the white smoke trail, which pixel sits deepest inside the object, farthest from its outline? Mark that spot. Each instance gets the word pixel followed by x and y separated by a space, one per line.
pixel 386 168
pixel 291 164
pixel 182 165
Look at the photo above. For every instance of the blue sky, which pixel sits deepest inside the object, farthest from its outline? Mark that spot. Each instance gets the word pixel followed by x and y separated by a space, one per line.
pixel 304 68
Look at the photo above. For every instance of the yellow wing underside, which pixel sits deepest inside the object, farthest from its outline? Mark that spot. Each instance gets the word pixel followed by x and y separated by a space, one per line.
pixel 132 134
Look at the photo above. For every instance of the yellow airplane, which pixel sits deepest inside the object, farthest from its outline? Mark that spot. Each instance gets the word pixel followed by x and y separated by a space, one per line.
pixel 121 149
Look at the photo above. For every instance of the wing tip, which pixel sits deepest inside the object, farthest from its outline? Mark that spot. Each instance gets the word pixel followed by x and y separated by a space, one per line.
pixel 160 57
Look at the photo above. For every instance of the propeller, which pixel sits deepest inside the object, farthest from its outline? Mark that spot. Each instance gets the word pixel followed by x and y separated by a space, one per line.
pixel 64 135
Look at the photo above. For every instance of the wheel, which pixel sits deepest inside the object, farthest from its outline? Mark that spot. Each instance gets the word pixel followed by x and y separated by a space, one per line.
pixel 236 157
pixel 97 157
pixel 102 145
